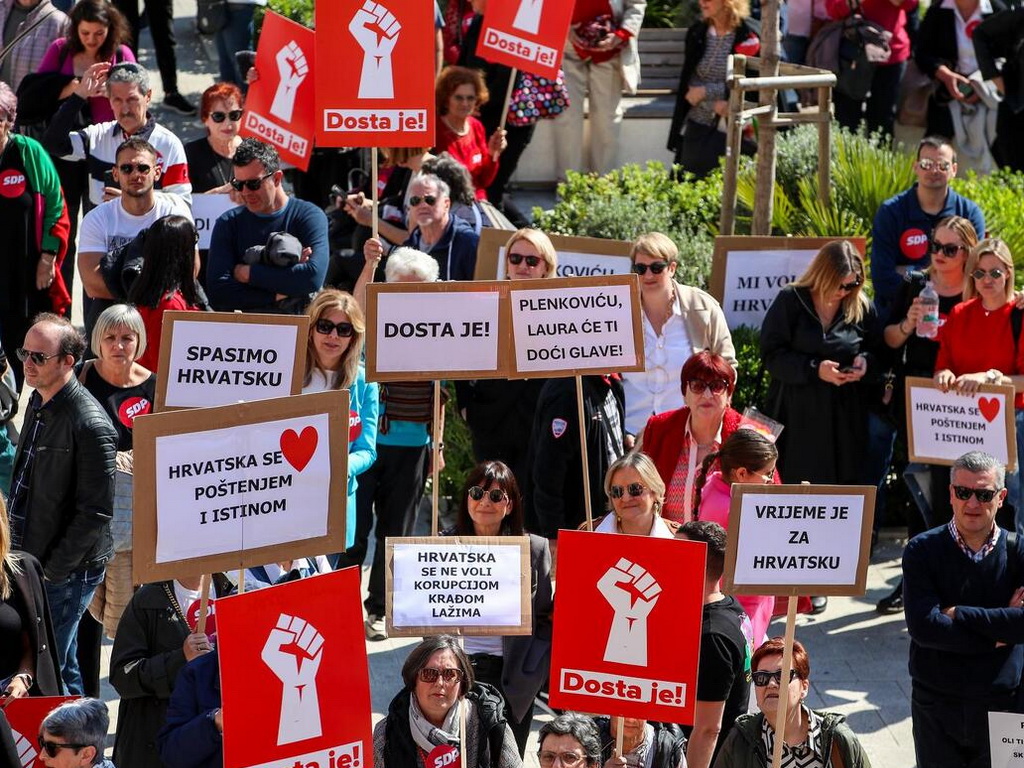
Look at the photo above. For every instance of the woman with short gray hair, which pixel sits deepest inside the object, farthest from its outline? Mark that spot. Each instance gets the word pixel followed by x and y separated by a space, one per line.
pixel 571 738
pixel 80 725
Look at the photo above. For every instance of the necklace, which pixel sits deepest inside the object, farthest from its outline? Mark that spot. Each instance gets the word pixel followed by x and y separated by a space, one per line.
pixel 456 131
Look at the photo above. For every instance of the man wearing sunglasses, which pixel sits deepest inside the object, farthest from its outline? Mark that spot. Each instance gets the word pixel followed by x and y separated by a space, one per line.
pixel 965 614
pixel 62 491
pixel 266 208
pixel 74 735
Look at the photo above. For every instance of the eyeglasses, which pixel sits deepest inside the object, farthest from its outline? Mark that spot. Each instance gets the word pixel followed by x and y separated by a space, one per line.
pixel 762 678
pixel 39 358
pixel 633 489
pixel 569 759
pixel 852 286
pixel 949 250
pixel 127 168
pixel 517 259
pixel 717 387
pixel 930 165
pixel 428 199
pixel 53 747
pixel 995 274
pixel 656 267
pixel 984 495
pixel 324 328
pixel 251 184
pixel 430 675
pixel 496 495
pixel 219 117
pixel 460 97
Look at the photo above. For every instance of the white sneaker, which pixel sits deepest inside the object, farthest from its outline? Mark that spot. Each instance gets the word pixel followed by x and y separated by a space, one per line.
pixel 375 628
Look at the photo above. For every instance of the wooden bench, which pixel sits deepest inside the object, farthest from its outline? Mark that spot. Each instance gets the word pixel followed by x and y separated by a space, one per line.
pixel 661 60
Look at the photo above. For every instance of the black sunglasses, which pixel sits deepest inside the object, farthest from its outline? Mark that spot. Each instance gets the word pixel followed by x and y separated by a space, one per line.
pixel 949 250
pixel 127 168
pixel 416 200
pixel 219 117
pixel 496 495
pixel 717 387
pixel 251 184
pixel 762 678
pixel 995 274
pixel 53 747
pixel 851 286
pixel 430 675
pixel 324 328
pixel 633 489
pixel 39 358
pixel 984 495
pixel 517 259
pixel 656 267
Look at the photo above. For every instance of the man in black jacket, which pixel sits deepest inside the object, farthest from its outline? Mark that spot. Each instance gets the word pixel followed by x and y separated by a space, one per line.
pixel 62 493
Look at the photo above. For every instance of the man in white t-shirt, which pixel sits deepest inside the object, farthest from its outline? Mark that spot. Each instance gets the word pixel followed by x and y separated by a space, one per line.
pixel 116 222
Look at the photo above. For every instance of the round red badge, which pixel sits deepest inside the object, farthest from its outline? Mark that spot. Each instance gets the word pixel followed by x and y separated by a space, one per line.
pixel 914 244
pixel 12 183
pixel 442 756
pixel 132 407
pixel 355 426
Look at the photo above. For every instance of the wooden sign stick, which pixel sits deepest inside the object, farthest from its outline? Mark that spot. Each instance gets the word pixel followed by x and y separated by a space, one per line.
pixel 508 98
pixel 373 193
pixel 787 664
pixel 241 580
pixel 435 473
pixel 619 727
pixel 204 602
pixel 583 452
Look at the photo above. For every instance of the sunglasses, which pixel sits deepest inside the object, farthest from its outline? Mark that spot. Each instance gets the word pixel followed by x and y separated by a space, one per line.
pixel 39 358
pixel 995 274
pixel 53 747
pixel 717 387
pixel 430 675
pixel 762 678
pixel 496 495
pixel 324 328
pixel 949 250
pixel 251 184
pixel 569 759
pixel 931 165
pixel 852 286
pixel 633 489
pixel 128 168
pixel 656 267
pixel 219 117
pixel 984 495
pixel 428 199
pixel 517 259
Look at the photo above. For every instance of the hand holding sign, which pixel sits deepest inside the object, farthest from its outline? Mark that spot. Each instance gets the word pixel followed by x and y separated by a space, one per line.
pixel 632 593
pixel 376 30
pixel 293 68
pixel 293 651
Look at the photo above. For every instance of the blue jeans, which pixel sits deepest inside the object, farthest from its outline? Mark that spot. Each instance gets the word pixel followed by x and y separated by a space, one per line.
pixel 235 36
pixel 68 600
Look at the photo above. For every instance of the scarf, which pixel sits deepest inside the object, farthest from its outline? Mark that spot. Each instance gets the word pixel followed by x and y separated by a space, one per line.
pixel 428 736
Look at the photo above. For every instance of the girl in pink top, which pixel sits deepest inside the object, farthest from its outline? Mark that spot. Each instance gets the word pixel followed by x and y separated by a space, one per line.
pixel 746 456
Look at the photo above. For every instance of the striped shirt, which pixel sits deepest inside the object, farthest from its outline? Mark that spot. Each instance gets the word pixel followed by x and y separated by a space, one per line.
pixel 806 755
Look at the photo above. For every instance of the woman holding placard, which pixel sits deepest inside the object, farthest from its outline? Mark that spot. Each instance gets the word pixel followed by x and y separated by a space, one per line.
pixel 441 708
pixel 516 665
pixel 815 342
pixel 334 351
pixel 811 738
pixel 637 495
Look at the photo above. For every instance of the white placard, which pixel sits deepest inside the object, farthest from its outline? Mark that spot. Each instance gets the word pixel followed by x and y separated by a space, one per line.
pixel 244 487
pixel 578 264
pixel 206 209
pixel 754 278
pixel 566 329
pixel 946 425
pixel 213 363
pixel 437 331
pixel 457 585
pixel 1006 738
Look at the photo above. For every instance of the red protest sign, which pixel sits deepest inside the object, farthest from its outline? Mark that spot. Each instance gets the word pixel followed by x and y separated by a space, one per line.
pixel 627 625
pixel 528 34
pixel 25 716
pixel 380 93
pixel 287 654
pixel 279 106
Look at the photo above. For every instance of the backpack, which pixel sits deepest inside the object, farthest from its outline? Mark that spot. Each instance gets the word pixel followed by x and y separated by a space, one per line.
pixel 852 48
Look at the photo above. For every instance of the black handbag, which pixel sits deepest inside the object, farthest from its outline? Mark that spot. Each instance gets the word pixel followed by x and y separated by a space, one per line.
pixel 864 45
pixel 211 16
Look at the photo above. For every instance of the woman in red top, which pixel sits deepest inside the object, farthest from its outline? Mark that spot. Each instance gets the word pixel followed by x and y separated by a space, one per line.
pixel 460 92
pixel 168 279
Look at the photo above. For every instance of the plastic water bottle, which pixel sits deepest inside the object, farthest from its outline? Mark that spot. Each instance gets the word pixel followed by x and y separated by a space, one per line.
pixel 928 326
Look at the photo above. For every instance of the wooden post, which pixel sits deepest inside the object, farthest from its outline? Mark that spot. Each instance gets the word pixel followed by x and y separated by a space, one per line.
pixel 787 664
pixel 204 602
pixel 508 98
pixel 765 190
pixel 241 580
pixel 435 473
pixel 373 193
pixel 727 221
pixel 583 452
pixel 463 759
pixel 618 735
pixel 824 142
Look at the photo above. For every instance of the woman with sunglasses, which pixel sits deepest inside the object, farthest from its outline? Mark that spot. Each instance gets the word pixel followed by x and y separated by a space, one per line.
pixel 334 361
pixel 679 441
pixel 679 321
pixel 439 698
pixel 636 493
pixel 811 738
pixel 209 157
pixel 815 342
pixel 517 666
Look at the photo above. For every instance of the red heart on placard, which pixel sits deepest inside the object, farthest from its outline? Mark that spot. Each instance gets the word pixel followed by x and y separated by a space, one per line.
pixel 989 407
pixel 299 449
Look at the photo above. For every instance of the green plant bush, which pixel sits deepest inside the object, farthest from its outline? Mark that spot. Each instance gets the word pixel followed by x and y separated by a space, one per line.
pixel 1000 197
pixel 300 11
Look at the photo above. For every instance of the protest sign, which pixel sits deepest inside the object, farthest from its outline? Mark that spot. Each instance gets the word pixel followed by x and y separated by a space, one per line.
pixel 576 326
pixel 240 485
pixel 942 426
pixel 298 650
pixel 528 34
pixel 26 716
pixel 382 92
pixel 799 539
pixel 1006 739
pixel 626 635
pixel 748 272
pixel 478 585
pixel 217 358
pixel 430 331
pixel 206 209
pixel 577 256
pixel 279 105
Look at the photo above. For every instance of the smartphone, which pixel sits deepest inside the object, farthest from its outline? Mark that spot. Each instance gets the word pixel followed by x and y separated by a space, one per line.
pixel 108 179
pixel 966 89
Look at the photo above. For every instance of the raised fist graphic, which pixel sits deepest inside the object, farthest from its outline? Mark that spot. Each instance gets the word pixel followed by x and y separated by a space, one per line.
pixel 632 593
pixel 528 16
pixel 376 30
pixel 293 651
pixel 293 68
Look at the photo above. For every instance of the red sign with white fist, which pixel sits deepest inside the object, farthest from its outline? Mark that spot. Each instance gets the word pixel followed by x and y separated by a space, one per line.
pixel 528 34
pixel 627 625
pixel 26 716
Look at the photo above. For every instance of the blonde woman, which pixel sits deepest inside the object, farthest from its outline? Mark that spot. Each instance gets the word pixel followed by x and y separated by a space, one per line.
pixel 637 494
pixel 815 343
pixel 529 254
pixel 337 330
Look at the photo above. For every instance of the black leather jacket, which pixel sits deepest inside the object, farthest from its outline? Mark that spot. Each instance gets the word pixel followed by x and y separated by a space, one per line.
pixel 70 494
